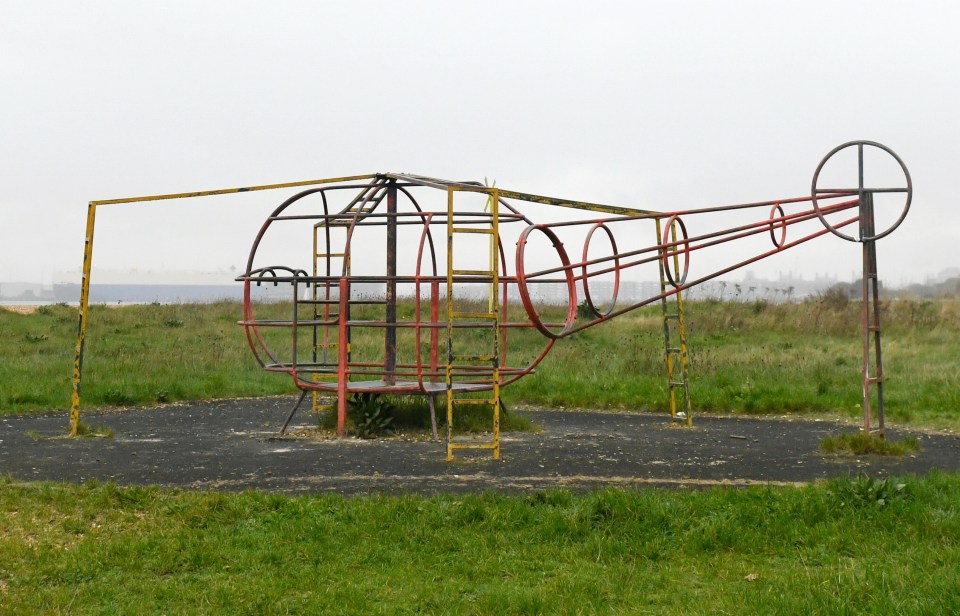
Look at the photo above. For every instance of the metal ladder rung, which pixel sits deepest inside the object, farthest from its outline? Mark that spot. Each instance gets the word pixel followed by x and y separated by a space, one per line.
pixel 474 358
pixel 470 272
pixel 371 194
pixel 472 230
pixel 352 302
pixel 473 446
pixel 331 254
pixel 473 401
pixel 874 380
pixel 476 315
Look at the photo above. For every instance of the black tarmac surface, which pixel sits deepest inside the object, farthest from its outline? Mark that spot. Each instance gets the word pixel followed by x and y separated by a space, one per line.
pixel 233 445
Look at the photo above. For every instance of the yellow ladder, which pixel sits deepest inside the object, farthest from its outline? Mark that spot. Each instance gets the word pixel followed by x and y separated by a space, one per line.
pixel 467 370
pixel 674 332
pixel 325 342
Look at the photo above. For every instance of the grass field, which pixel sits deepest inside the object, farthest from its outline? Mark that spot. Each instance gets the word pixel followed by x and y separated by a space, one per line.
pixel 865 546
pixel 793 358
pixel 840 547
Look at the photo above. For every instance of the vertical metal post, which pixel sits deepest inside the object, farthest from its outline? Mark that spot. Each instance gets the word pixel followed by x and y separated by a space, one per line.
pixel 673 354
pixel 448 375
pixel 315 395
pixel 870 318
pixel 494 307
pixel 343 349
pixel 682 335
pixel 434 332
pixel 84 312
pixel 870 309
pixel 390 332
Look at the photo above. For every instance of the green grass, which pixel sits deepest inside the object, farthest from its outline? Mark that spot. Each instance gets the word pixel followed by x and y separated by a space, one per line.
pixel 750 358
pixel 136 355
pixel 867 546
pixel 862 443
pixel 835 547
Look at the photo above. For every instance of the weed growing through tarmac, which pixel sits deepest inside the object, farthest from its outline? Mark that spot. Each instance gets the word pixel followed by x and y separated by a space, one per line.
pixel 370 415
pixel 83 431
pixel 862 443
pixel 88 431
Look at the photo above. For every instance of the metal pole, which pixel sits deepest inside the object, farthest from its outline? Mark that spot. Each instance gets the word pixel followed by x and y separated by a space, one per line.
pixel 870 317
pixel 82 326
pixel 343 349
pixel 390 333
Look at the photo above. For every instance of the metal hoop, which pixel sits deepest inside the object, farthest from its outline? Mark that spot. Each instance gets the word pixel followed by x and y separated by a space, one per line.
pixel 686 251
pixel 525 293
pixel 860 190
pixel 783 226
pixel 616 271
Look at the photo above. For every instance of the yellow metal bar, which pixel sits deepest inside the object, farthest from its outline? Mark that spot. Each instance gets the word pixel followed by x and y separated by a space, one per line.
pixel 84 313
pixel 577 205
pixel 512 194
pixel 88 263
pixel 681 331
pixel 493 307
pixel 492 314
pixel 681 348
pixel 472 230
pixel 671 395
pixel 476 315
pixel 465 272
pixel 227 191
pixel 315 396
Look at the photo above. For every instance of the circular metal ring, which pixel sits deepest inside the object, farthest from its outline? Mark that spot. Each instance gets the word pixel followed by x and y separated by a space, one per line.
pixel 686 251
pixel 783 226
pixel 814 190
pixel 525 293
pixel 616 271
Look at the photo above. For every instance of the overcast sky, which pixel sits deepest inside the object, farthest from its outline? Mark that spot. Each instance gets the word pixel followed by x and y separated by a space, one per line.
pixel 659 105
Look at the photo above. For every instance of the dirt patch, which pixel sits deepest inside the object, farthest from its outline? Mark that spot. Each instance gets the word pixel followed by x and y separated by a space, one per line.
pixel 19 308
pixel 233 445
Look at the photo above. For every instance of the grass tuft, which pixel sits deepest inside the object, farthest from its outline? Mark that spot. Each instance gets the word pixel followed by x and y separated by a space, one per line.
pixel 88 431
pixel 862 443
pixel 372 415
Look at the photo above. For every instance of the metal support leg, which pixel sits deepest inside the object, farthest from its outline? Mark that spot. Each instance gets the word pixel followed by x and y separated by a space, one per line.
pixel 296 406
pixel 870 322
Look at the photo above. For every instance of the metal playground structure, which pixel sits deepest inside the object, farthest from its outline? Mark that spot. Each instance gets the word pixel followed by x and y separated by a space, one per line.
pixel 417 285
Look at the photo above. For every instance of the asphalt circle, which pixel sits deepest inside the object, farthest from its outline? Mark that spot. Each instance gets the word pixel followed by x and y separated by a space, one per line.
pixel 233 445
